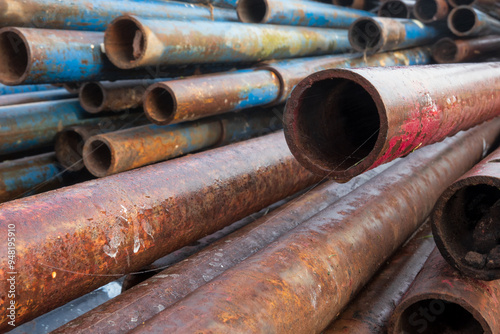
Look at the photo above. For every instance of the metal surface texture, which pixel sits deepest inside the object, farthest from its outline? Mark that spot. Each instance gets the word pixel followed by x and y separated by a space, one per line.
pixel 486 6
pixel 428 11
pixel 370 116
pixel 398 9
pixel 70 141
pixel 132 42
pixel 39 96
pixel 301 282
pixel 470 22
pixel 447 50
pixel 91 233
pixel 370 311
pixel 270 84
pixel 298 13
pixel 358 4
pixel 95 15
pixel 375 34
pixel 465 221
pixel 6 90
pixel 216 3
pixel 116 152
pixel 132 308
pixel 443 301
pixel 27 176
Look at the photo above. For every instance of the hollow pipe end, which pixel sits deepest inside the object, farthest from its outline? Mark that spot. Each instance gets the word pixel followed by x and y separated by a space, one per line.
pixel 93 97
pixel 16 58
pixel 160 103
pixel 428 11
pixel 462 20
pixel 366 35
pixel 99 156
pixel 445 51
pixel 253 11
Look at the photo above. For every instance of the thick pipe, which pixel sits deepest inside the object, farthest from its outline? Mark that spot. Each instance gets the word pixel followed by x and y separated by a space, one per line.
pixel 447 50
pixel 442 301
pixel 31 97
pixel 193 98
pixel 298 13
pixel 300 283
pixel 116 152
pixel 470 22
pixel 371 311
pixel 363 121
pixel 96 15
pixel 217 3
pixel 132 42
pixel 5 90
pixel 489 7
pixel 27 176
pixel 90 233
pixel 375 34
pixel 119 315
pixel 429 11
pixel 396 9
pixel 70 141
pixel 465 221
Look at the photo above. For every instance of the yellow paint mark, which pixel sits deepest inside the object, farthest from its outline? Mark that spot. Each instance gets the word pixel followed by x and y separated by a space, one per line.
pixel 54 274
pixel 419 24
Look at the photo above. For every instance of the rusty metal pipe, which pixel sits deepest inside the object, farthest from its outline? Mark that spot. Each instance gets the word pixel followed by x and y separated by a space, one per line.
pixel 429 11
pixel 133 42
pixel 398 9
pixel 371 311
pixel 272 83
pixel 447 50
pixel 363 122
pixel 465 221
pixel 6 90
pixel 375 34
pixel 31 97
pixel 216 3
pixel 90 233
pixel 357 4
pixel 468 21
pixel 70 141
pixel 442 301
pixel 116 152
pixel 489 7
pixel 300 283
pixel 168 287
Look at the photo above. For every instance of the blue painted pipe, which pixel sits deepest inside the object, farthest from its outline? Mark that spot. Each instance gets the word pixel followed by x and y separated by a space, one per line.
pixel 375 34
pixel 468 21
pixel 7 90
pixel 95 15
pixel 28 176
pixel 298 13
pixel 31 97
pixel 216 3
pixel 134 42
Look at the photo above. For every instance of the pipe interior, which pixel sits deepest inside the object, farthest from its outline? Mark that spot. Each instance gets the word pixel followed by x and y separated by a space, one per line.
pixel 457 3
pixel 125 41
pixel 461 214
pixel 252 11
pixel 338 123
pixel 13 57
pixel 344 3
pixel 394 9
pixel 445 51
pixel 159 104
pixel 436 316
pixel 365 34
pixel 74 144
pixel 425 10
pixel 91 96
pixel 463 20
pixel 99 158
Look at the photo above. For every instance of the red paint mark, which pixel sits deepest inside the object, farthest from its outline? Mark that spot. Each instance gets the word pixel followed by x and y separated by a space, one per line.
pixel 447 282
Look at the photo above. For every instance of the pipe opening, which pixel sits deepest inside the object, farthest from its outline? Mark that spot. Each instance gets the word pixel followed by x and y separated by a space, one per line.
pixel 365 34
pixel 160 105
pixel 252 11
pixel 394 9
pixel 98 158
pixel 456 3
pixel 471 226
pixel 125 42
pixel 462 20
pixel 14 57
pixel 425 10
pixel 445 51
pixel 339 123
pixel 344 3
pixel 436 316
pixel 92 97
pixel 69 149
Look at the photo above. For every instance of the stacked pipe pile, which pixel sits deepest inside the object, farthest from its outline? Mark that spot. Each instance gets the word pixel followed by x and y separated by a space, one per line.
pixel 261 166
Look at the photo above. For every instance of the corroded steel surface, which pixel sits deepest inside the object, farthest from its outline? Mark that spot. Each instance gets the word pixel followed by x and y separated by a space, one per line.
pixel 443 301
pixel 129 310
pixel 73 240
pixel 357 4
pixel 31 97
pixel 465 221
pixel 27 176
pixel 5 90
pixel 447 50
pixel 428 11
pixel 123 150
pixel 298 13
pixel 399 9
pixel 97 14
pixel 375 34
pixel 370 312
pixel 468 21
pixel 134 42
pixel 217 3
pixel 370 116
pixel 301 282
